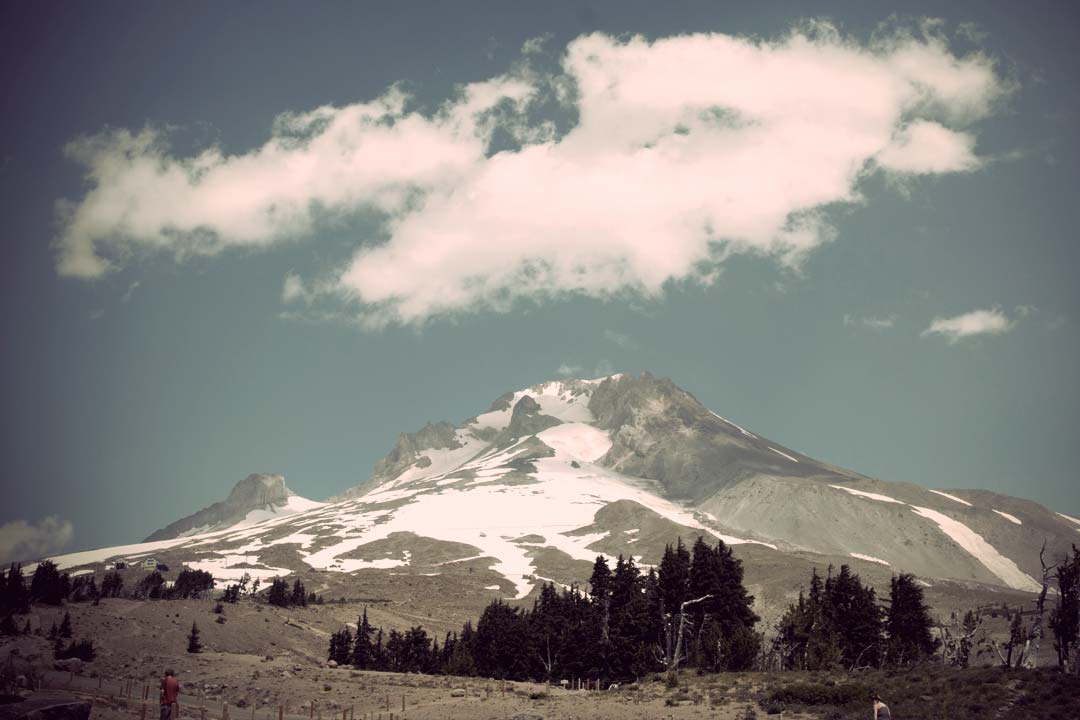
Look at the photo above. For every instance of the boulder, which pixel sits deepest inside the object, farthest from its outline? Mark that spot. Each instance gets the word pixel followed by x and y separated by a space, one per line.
pixel 457 692
pixel 331 664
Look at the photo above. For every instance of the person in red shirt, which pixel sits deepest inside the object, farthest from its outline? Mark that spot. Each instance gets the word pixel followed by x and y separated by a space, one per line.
pixel 170 692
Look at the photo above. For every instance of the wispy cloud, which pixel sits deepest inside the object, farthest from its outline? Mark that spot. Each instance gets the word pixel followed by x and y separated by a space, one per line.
pixel 20 540
pixel 621 203
pixel 130 291
pixel 972 324
pixel 870 322
pixel 620 339
pixel 567 370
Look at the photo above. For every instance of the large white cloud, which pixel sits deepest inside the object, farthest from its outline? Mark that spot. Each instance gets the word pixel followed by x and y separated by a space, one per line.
pixel 685 150
pixel 977 322
pixel 20 540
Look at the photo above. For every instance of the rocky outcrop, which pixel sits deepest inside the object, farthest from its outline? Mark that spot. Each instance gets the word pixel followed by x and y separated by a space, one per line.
pixel 258 491
pixel 525 420
pixel 661 432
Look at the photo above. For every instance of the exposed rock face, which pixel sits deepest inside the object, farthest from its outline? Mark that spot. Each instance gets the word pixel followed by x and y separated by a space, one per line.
pixel 408 451
pixel 258 491
pixel 661 432
pixel 526 420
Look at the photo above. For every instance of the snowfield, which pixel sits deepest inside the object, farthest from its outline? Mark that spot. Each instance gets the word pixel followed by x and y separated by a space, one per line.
pixel 983 551
pixel 869 558
pixel 952 497
pixel 1011 518
pixel 868 495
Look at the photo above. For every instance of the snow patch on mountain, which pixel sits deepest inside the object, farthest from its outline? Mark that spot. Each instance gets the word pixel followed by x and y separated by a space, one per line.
pixel 869 495
pixel 741 429
pixel 576 441
pixel 1011 518
pixel 952 497
pixel 784 454
pixel 1070 518
pixel 983 551
pixel 868 558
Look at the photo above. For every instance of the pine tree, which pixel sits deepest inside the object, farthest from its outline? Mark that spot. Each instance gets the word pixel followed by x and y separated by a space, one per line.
pixel 278 593
pixel 908 622
pixel 674 577
pixel 65 626
pixel 193 643
pixel 299 597
pixel 363 652
pixel 48 586
pixel 600 580
pixel 14 597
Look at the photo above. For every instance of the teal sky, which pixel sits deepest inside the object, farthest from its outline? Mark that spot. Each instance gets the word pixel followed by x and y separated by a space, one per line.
pixel 144 392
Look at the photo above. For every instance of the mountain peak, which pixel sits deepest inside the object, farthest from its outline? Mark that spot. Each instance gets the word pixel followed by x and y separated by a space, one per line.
pixel 257 497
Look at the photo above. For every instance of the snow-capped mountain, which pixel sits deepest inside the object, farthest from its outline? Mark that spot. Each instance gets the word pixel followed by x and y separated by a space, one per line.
pixel 258 497
pixel 552 475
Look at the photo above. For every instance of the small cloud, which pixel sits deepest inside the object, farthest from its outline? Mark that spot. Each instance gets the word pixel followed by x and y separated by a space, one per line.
pixel 566 370
pixel 623 341
pixel 870 322
pixel 19 540
pixel 1025 310
pixel 976 322
pixel 97 314
pixel 131 289
pixel 603 369
pixel 294 289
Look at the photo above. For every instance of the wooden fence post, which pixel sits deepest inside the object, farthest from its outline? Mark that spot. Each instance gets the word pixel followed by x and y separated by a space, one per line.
pixel 280 713
pixel 142 715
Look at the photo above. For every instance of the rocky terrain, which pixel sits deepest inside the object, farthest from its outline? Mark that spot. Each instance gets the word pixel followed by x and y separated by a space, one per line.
pixel 259 496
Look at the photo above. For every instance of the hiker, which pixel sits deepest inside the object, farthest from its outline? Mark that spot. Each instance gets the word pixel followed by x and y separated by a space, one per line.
pixel 881 710
pixel 170 691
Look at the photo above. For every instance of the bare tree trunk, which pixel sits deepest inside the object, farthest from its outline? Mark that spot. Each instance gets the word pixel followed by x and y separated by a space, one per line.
pixel 676 657
pixel 1035 634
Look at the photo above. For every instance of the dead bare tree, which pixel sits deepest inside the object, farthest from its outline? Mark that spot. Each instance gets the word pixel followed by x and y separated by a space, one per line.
pixel 674 632
pixel 1035 631
pixel 958 637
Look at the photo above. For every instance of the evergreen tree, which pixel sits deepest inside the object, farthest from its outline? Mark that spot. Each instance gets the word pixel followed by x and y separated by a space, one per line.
pixel 600 580
pixel 112 585
pixel 192 583
pixel 152 586
pixel 65 627
pixel 14 597
pixel 908 622
pixel 380 660
pixel 279 593
pixel 853 617
pixel 341 646
pixel 48 586
pixel 299 597
pixel 461 660
pixel 193 643
pixel 497 644
pixel 363 652
pixel 674 577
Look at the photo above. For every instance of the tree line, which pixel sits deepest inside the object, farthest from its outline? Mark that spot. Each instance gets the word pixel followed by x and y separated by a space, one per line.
pixel 692 611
